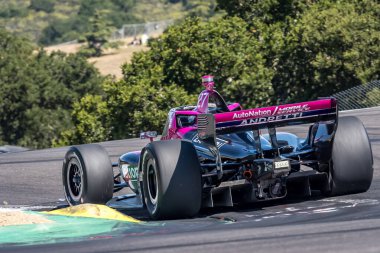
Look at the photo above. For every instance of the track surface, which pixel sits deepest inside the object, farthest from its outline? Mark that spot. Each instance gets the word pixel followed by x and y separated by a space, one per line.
pixel 342 224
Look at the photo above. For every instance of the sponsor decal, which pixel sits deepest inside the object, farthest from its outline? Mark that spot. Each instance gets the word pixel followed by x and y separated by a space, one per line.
pixel 129 172
pixel 281 164
pixel 251 113
pixel 292 109
pixel 219 142
pixel 270 118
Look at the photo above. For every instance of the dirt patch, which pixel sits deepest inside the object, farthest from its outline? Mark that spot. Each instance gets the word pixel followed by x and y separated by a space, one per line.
pixel 66 48
pixel 109 63
pixel 8 218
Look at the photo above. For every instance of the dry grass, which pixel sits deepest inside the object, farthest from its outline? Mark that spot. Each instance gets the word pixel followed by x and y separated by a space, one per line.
pixel 69 48
pixel 112 60
pixel 110 63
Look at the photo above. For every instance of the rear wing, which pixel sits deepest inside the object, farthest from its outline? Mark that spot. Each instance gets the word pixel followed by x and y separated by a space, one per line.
pixel 276 116
pixel 208 125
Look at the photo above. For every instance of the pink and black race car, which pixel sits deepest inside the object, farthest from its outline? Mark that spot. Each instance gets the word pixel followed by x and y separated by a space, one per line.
pixel 214 154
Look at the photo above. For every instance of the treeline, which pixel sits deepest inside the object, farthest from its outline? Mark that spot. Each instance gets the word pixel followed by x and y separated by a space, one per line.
pixel 49 22
pixel 261 52
pixel 38 92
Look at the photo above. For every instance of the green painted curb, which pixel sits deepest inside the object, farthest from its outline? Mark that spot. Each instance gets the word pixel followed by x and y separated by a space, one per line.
pixel 63 228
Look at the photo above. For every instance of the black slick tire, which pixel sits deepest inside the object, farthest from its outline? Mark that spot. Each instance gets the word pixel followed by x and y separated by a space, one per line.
pixel 351 168
pixel 171 182
pixel 87 175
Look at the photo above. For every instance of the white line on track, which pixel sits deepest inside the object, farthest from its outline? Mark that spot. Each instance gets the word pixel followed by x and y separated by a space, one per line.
pixel 25 208
pixel 361 109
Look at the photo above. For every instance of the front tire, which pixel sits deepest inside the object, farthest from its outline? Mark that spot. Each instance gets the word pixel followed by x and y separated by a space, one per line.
pixel 351 168
pixel 87 175
pixel 171 179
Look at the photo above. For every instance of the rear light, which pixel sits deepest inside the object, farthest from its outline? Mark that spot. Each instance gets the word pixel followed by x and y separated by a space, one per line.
pixel 248 174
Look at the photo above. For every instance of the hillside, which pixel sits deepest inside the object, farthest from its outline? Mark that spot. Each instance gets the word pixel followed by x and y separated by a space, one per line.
pixel 48 22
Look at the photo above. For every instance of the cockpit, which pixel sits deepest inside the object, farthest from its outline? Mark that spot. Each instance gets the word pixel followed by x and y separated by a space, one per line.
pixel 209 101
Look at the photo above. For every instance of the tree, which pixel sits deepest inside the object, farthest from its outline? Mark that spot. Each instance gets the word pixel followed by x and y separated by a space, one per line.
pixel 66 27
pixel 197 8
pixel 315 48
pixel 97 38
pixel 16 86
pixel 223 48
pixel 11 10
pixel 37 91
pixel 266 11
pixel 333 47
pixel 123 112
pixel 62 80
pixel 58 31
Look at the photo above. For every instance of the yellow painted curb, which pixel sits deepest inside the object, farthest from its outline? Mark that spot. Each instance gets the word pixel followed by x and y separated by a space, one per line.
pixel 93 211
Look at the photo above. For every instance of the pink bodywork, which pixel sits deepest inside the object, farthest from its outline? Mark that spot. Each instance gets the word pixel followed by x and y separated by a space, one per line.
pixel 274 113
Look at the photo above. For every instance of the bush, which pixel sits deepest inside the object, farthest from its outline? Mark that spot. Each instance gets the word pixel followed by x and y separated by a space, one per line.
pixel 123 112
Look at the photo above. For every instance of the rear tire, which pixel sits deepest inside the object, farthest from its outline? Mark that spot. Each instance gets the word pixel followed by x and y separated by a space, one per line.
pixel 87 175
pixel 171 179
pixel 351 168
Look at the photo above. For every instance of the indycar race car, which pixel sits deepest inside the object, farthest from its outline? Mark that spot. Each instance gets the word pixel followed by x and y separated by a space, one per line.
pixel 217 154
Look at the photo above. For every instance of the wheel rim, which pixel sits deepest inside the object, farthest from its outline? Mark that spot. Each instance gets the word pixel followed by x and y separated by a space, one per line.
pixel 152 181
pixel 75 179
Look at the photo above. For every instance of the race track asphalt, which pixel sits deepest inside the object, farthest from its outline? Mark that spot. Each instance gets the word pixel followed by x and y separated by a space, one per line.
pixel 348 223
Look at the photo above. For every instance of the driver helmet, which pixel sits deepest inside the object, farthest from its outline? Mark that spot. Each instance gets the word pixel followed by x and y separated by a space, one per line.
pixel 208 82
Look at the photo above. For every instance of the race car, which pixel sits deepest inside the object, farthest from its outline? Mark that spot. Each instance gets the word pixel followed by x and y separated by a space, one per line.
pixel 217 154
